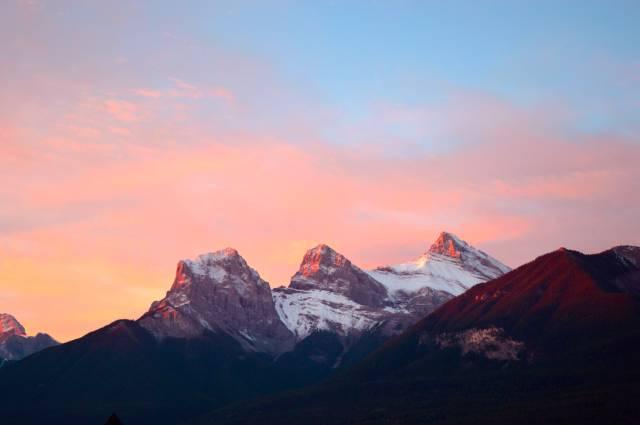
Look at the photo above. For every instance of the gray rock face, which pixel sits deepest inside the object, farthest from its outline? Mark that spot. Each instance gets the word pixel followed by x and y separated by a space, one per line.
pixel 219 292
pixel 324 269
pixel 422 302
pixel 14 342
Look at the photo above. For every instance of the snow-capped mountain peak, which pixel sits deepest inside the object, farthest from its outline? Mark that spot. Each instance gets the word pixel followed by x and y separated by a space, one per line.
pixel 322 257
pixel 9 325
pixel 213 267
pixel 472 258
pixel 330 293
pixel 219 292
pixel 451 265
pixel 323 268
pixel 448 244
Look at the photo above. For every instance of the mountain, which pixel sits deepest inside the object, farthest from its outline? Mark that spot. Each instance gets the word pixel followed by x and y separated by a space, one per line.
pixel 14 342
pixel 125 368
pixel 339 313
pixel 218 292
pixel 553 341
pixel 323 268
pixel 561 307
pixel 330 293
pixel 219 336
pixel 209 342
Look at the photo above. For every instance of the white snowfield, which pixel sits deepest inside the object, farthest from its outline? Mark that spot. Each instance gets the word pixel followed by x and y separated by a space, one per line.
pixel 304 311
pixel 436 271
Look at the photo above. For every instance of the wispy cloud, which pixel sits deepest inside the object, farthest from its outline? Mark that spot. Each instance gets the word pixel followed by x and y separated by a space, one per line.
pixel 122 110
pixel 182 89
pixel 148 93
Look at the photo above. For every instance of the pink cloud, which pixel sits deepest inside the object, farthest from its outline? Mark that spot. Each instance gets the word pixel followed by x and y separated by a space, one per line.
pixel 148 93
pixel 83 132
pixel 122 110
pixel 182 89
pixel 222 93
pixel 120 131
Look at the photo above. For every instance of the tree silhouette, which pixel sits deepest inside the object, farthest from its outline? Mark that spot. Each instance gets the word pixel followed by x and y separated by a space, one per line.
pixel 113 420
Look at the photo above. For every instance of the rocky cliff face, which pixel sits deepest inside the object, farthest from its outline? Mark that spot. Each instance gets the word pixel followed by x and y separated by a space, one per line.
pixel 219 292
pixel 324 269
pixel 329 293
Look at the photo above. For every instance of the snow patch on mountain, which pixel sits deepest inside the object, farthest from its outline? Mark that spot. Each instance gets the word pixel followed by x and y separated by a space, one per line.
pixel 435 271
pixel 304 311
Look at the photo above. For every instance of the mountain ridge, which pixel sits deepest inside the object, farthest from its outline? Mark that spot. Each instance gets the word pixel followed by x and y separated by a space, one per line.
pixel 15 344
pixel 128 366
pixel 556 340
pixel 329 292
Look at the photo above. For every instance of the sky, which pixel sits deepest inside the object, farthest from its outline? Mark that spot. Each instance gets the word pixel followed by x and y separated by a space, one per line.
pixel 134 134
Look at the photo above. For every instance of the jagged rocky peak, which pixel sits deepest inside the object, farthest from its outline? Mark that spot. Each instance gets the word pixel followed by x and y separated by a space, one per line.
pixel 448 244
pixel 471 258
pixel 219 292
pixel 329 293
pixel 323 268
pixel 9 325
pixel 212 267
pixel 322 257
